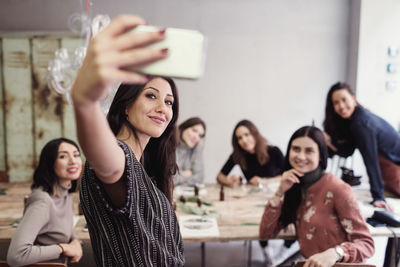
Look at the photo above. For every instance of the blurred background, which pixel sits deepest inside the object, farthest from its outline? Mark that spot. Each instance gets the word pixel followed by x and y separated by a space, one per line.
pixel 268 61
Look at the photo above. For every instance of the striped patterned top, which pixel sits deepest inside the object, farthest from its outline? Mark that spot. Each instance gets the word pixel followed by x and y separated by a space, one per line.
pixel 144 232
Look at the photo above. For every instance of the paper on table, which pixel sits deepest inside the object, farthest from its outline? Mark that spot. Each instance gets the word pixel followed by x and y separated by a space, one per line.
pixel 198 226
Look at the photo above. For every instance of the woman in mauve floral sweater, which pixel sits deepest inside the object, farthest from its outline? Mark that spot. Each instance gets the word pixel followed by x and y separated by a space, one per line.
pixel 329 225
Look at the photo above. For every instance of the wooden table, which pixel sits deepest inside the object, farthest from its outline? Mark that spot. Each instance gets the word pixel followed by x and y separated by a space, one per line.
pixel 239 214
pixel 12 207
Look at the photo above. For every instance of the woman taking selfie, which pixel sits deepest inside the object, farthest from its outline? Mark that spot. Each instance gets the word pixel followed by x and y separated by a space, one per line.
pixel 189 153
pixel 46 229
pixel 251 152
pixel 329 225
pixel 348 126
pixel 126 188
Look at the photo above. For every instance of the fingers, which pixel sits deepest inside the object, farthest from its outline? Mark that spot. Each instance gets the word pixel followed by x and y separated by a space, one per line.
pixel 130 40
pixel 312 263
pixel 253 181
pixel 75 259
pixel 136 57
pixel 300 174
pixel 382 204
pixel 292 176
pixel 121 24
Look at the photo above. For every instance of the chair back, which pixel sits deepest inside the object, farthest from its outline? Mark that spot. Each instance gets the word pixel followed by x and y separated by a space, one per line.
pixel 340 264
pixel 39 264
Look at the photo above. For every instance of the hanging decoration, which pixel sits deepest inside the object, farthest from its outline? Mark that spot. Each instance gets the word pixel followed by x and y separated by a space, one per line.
pixel 62 70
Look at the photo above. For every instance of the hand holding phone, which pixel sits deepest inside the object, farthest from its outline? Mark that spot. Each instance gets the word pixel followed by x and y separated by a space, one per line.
pixel 186 53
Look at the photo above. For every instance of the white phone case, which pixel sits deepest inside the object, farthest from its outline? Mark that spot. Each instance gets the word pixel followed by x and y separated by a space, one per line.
pixel 186 53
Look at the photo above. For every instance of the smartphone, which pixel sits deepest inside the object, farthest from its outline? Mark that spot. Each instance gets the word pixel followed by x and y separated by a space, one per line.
pixel 186 53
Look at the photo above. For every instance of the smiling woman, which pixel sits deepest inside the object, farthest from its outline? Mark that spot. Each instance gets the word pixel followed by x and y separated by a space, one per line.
pixel 46 229
pixel 189 153
pixel 142 117
pixel 126 189
pixel 349 125
pixel 323 208
pixel 251 151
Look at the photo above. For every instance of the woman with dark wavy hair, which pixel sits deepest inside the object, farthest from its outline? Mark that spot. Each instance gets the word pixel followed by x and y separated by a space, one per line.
pixel 46 229
pixel 323 208
pixel 251 152
pixel 126 188
pixel 348 126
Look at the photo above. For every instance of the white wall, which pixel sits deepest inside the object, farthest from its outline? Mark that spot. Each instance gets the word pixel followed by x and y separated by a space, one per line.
pixel 268 61
pixel 379 29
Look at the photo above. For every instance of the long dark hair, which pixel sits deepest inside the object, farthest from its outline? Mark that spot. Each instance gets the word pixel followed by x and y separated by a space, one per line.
pixel 261 148
pixel 293 196
pixel 191 122
pixel 159 159
pixel 334 125
pixel 44 175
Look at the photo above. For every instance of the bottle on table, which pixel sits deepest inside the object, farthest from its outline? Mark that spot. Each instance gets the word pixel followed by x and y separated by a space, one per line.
pixel 222 194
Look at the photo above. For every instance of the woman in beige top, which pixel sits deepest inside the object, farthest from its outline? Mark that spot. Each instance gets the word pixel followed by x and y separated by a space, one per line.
pixel 46 230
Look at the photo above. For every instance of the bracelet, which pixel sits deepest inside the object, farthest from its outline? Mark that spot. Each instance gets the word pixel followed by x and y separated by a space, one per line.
pixel 278 193
pixel 62 249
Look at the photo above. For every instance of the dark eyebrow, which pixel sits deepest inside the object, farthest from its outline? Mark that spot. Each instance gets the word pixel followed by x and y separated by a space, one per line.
pixel 66 152
pixel 157 90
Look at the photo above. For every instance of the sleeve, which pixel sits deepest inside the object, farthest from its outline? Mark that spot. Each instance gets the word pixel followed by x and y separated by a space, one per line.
pixel 366 141
pixel 118 197
pixel 197 165
pixel 22 250
pixel 279 160
pixel 360 244
pixel 229 164
pixel 344 148
pixel 178 178
pixel 269 226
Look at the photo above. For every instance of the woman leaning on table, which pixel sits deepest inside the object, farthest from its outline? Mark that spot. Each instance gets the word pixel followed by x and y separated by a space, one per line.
pixel 46 229
pixel 189 153
pixel 126 188
pixel 251 152
pixel 348 126
pixel 329 225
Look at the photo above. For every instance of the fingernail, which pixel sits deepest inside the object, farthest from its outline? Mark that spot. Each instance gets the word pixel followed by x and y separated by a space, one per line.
pixel 164 51
pixel 163 31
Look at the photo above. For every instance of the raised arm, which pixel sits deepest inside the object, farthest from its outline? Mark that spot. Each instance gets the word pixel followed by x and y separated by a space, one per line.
pixel 269 225
pixel 108 53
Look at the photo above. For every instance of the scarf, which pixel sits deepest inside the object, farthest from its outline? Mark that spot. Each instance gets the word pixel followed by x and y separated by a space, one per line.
pixel 311 177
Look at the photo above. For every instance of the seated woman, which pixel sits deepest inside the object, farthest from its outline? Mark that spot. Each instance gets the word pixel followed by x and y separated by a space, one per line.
pixel 189 153
pixel 46 229
pixel 251 152
pixel 348 126
pixel 329 225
